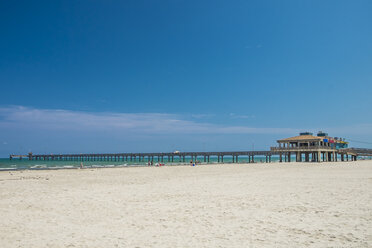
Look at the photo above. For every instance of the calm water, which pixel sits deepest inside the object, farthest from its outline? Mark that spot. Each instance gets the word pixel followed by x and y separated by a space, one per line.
pixel 16 164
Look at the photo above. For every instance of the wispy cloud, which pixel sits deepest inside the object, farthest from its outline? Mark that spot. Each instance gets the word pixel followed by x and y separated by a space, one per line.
pixel 24 129
pixel 202 116
pixel 150 123
pixel 236 116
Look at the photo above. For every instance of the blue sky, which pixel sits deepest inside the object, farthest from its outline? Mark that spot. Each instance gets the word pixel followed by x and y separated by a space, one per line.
pixel 111 76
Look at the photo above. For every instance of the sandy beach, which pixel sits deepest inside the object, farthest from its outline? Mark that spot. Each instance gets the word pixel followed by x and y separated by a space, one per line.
pixel 229 205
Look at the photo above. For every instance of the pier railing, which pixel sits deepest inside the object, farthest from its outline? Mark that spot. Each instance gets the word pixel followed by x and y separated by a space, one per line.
pixel 301 148
pixel 359 151
pixel 141 157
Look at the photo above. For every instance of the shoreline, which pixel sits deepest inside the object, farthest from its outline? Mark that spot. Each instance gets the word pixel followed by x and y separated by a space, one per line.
pixel 277 163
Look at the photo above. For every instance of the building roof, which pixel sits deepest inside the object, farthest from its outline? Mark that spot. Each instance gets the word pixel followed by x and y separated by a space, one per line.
pixel 302 138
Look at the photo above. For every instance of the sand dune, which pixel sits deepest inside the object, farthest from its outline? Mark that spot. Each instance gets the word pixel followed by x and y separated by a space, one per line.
pixel 230 205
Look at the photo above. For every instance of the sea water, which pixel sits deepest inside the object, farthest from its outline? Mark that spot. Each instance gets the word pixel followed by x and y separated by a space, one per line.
pixel 25 164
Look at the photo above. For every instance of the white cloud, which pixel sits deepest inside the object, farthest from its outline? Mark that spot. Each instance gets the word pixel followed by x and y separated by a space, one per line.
pixel 235 116
pixel 202 116
pixel 150 123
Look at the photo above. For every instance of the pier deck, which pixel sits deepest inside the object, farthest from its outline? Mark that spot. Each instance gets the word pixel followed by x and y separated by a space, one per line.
pixel 182 156
pixel 141 157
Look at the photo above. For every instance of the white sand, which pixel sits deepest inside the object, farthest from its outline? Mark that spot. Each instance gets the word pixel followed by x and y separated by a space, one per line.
pixel 276 205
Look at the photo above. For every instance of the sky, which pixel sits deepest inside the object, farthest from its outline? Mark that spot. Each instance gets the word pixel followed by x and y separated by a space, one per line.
pixel 157 76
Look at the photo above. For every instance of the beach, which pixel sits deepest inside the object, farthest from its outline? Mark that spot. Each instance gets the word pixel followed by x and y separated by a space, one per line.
pixel 209 205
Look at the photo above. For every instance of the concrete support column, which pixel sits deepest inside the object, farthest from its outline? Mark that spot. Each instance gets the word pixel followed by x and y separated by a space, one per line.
pixel 318 157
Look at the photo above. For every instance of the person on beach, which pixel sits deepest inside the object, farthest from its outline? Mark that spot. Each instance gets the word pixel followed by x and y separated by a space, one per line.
pixel 81 165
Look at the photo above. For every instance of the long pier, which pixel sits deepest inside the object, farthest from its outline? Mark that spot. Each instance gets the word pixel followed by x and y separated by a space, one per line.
pixel 151 157
pixel 183 156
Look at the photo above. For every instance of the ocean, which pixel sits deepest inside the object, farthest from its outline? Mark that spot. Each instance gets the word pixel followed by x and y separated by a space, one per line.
pixel 25 164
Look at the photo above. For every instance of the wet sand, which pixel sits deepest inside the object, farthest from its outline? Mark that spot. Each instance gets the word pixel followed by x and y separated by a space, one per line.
pixel 229 205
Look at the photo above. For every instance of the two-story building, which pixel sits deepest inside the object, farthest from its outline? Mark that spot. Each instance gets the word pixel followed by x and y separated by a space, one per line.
pixel 307 147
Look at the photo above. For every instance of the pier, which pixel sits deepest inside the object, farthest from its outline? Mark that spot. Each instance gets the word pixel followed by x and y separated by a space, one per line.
pixel 305 148
pixel 153 157
pixel 284 154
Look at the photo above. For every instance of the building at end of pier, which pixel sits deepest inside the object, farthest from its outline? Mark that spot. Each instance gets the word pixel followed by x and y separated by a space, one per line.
pixel 308 147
